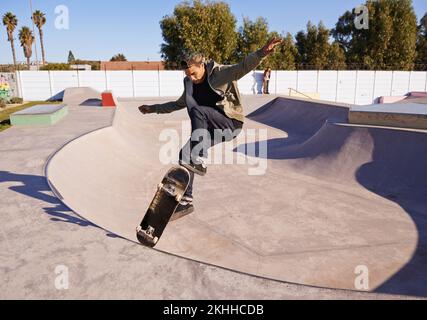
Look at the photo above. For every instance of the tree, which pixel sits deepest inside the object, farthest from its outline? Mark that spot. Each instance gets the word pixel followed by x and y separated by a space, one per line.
pixel 26 38
pixel 288 53
pixel 313 46
pixel 203 27
pixel 39 19
pixel 388 43
pixel 71 58
pixel 284 58
pixel 252 36
pixel 421 61
pixel 344 31
pixel 401 51
pixel 119 57
pixel 336 57
pixel 10 22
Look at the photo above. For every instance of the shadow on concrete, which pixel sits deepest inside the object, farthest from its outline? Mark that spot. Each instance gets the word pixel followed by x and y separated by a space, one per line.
pixel 92 103
pixel 257 83
pixel 398 172
pixel 37 187
pixel 57 97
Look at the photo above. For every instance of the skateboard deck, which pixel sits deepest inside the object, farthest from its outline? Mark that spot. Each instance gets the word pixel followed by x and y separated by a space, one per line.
pixel 168 196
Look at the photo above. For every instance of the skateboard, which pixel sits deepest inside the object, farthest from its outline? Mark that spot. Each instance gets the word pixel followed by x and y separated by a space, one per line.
pixel 168 196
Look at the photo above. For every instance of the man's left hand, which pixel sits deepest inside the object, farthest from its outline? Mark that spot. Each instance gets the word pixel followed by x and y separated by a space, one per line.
pixel 271 45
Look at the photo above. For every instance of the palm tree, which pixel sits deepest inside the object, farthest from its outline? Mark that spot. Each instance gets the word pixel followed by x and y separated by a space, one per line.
pixel 10 21
pixel 39 19
pixel 27 38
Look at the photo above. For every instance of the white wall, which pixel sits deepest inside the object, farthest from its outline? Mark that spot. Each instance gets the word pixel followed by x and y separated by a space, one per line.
pixel 354 87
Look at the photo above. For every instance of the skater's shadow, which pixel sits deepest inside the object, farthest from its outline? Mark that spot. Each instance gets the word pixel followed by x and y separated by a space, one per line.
pixel 37 187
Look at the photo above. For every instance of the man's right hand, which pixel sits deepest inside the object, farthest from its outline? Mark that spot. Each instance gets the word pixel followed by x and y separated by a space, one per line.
pixel 146 109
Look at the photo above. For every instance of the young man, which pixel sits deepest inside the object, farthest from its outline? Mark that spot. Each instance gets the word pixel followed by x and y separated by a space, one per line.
pixel 213 101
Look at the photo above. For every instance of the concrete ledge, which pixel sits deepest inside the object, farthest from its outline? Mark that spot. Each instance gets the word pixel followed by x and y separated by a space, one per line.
pixel 410 115
pixel 39 115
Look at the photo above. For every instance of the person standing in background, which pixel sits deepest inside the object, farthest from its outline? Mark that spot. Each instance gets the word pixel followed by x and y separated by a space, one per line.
pixel 266 82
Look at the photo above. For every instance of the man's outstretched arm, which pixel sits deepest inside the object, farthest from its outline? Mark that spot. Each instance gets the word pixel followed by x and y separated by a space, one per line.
pixel 252 61
pixel 168 107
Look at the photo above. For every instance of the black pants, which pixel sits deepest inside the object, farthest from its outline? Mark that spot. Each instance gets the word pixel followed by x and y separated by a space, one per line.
pixel 267 87
pixel 205 122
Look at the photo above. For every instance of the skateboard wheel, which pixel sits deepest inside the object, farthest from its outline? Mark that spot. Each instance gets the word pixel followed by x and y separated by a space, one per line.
pixel 160 186
pixel 178 198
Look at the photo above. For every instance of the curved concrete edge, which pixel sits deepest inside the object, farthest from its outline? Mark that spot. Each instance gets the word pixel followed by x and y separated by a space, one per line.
pixel 248 274
pixel 60 197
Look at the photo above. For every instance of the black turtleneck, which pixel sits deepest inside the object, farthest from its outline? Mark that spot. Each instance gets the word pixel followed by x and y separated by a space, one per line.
pixel 205 95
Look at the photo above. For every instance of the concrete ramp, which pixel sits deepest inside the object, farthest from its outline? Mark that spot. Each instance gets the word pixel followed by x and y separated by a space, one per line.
pixel 84 96
pixel 327 203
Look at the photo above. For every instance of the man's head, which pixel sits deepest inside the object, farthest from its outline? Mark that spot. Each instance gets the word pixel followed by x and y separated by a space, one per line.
pixel 194 66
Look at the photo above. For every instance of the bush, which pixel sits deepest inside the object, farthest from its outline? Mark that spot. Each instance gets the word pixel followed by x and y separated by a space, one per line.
pixel 16 100
pixel 55 67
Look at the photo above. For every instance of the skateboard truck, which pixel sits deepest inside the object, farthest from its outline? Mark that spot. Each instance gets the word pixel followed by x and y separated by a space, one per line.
pixel 147 234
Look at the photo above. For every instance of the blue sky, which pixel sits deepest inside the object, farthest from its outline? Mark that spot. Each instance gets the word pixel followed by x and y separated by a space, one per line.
pixel 100 29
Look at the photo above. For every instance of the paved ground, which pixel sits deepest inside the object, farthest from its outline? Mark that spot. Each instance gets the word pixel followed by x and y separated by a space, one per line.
pixel 39 233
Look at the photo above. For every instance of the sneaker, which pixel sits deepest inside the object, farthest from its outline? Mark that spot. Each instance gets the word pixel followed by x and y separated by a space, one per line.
pixel 199 167
pixel 184 209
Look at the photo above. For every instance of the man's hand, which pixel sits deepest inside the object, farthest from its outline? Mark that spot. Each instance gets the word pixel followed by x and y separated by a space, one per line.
pixel 146 109
pixel 271 45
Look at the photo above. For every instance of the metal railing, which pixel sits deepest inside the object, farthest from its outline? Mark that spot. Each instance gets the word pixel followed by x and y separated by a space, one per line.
pixel 303 94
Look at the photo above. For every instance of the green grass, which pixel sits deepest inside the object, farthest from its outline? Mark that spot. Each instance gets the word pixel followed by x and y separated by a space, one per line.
pixel 5 114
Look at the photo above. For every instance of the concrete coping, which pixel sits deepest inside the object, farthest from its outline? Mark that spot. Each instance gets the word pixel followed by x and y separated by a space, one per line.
pixel 397 108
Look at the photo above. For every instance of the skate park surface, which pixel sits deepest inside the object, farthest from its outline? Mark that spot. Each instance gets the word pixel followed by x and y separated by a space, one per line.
pixel 326 199
pixel 329 199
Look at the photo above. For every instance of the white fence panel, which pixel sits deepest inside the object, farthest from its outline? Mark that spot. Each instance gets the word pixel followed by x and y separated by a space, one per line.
pixel 418 81
pixel 35 85
pixel 61 80
pixel 120 82
pixel 273 82
pixel 383 82
pixel 307 81
pixel 327 86
pixel 346 87
pixel 286 80
pixel 365 87
pixel 171 83
pixel 400 83
pixel 146 83
pixel 95 79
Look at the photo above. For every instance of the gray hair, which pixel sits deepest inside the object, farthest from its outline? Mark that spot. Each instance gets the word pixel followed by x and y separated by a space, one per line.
pixel 190 58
